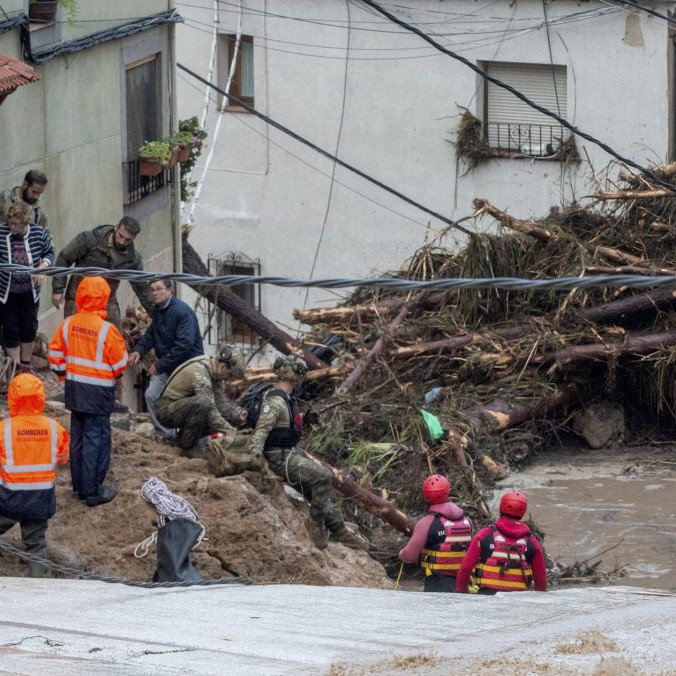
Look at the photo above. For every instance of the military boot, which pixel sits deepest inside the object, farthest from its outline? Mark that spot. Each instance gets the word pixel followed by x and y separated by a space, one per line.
pixel 317 533
pixel 351 537
pixel 35 569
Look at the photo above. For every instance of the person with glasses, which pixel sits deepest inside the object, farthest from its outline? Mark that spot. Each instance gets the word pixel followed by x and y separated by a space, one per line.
pixel 175 336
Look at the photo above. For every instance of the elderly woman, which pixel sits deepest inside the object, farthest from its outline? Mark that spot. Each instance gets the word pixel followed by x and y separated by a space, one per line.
pixel 21 243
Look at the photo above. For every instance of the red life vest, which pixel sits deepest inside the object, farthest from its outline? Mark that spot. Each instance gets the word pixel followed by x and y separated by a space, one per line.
pixel 505 562
pixel 446 546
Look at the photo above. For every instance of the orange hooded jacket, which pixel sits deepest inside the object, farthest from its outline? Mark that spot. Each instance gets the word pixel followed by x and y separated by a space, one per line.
pixel 88 351
pixel 30 447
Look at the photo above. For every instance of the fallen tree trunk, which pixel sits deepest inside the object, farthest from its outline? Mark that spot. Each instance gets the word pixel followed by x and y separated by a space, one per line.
pixel 628 270
pixel 633 194
pixel 365 311
pixel 542 235
pixel 456 342
pixel 632 310
pixel 226 300
pixel 268 376
pixel 367 499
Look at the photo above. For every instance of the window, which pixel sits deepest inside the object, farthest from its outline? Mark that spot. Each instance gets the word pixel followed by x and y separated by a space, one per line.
pixel 512 126
pixel 242 85
pixel 228 328
pixel 144 123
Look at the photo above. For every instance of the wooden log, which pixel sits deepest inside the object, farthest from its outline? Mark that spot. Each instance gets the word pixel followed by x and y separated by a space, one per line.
pixel 632 194
pixel 632 310
pixel 379 345
pixel 529 228
pixel 628 270
pixel 457 342
pixel 367 499
pixel 365 311
pixel 258 376
pixel 226 300
pixel 524 227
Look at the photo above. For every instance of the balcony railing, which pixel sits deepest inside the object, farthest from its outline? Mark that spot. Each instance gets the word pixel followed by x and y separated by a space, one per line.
pixel 532 140
pixel 138 187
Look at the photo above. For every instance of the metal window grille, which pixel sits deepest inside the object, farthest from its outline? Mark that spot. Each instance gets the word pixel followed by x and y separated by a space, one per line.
pixel 222 326
pixel 533 140
pixel 138 187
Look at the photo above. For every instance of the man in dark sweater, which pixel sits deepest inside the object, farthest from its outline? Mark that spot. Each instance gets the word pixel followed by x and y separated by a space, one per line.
pixel 175 336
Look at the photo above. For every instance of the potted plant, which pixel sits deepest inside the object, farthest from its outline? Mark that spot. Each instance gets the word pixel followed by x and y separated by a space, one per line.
pixel 44 11
pixel 154 157
pixel 185 141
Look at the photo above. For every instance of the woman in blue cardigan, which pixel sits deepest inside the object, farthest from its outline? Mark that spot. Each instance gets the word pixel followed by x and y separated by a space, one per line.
pixel 21 243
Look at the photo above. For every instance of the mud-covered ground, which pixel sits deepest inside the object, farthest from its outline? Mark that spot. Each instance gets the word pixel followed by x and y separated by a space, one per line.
pixel 253 527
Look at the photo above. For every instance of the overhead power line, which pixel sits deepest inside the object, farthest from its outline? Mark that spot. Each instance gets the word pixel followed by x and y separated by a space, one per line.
pixel 545 111
pixel 647 10
pixel 236 100
pixel 513 283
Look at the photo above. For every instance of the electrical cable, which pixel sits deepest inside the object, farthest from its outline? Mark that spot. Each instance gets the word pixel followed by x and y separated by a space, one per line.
pixel 562 121
pixel 325 153
pixel 515 283
pixel 333 169
pixel 551 57
pixel 647 10
pixel 310 166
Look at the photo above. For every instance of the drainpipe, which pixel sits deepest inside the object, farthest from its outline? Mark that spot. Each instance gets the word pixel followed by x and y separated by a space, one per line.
pixel 173 126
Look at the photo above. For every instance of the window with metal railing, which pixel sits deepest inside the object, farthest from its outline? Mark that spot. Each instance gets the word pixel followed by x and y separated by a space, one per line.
pixel 138 186
pixel 222 326
pixel 531 140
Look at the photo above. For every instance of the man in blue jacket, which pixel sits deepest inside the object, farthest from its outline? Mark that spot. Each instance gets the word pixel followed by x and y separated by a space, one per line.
pixel 175 336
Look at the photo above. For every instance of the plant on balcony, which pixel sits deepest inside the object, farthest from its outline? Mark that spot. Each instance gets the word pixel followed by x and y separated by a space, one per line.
pixel 190 127
pixel 154 157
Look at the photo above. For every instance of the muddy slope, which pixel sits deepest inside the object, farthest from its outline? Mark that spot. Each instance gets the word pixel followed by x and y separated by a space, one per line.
pixel 254 528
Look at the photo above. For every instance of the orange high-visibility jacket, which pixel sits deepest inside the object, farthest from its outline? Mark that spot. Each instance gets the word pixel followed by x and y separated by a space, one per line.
pixel 87 350
pixel 30 447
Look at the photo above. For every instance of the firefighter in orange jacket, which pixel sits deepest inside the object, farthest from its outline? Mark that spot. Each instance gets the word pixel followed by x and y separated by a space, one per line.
pixel 30 447
pixel 89 353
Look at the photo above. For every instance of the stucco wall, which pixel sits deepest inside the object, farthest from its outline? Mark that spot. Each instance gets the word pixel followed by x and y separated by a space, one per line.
pixel 71 125
pixel 402 103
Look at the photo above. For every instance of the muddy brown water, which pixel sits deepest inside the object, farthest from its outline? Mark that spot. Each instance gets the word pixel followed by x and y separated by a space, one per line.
pixel 594 500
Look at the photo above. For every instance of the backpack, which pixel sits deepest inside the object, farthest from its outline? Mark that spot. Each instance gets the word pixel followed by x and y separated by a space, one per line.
pixel 252 400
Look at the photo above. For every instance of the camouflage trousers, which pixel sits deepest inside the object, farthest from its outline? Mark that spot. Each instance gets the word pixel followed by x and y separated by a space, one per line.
pixel 195 417
pixel 312 480
pixel 33 536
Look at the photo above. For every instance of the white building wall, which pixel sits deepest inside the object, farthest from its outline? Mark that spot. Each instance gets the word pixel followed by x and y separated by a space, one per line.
pixel 266 195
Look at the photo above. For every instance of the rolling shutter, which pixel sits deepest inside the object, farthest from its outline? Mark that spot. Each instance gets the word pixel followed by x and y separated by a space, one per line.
pixel 512 123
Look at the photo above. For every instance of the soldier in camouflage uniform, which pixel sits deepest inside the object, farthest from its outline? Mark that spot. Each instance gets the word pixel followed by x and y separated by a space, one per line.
pixel 106 246
pixel 194 400
pixel 274 438
pixel 34 184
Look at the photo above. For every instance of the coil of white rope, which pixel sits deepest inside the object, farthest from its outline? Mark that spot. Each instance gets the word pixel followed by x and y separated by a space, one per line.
pixel 169 506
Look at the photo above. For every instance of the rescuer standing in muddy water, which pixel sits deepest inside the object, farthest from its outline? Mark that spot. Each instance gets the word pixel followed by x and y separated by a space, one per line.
pixel 30 447
pixel 277 431
pixel 194 402
pixel 440 539
pixel 506 556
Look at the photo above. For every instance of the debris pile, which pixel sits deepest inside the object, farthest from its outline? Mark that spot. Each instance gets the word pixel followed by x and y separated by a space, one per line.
pixel 506 372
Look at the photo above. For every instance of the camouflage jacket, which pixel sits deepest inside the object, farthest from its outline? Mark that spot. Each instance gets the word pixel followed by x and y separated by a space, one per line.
pixel 274 413
pixel 38 214
pixel 94 248
pixel 194 377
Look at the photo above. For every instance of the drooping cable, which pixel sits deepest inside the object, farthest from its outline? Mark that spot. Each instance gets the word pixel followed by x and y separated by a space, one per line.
pixel 326 153
pixel 522 97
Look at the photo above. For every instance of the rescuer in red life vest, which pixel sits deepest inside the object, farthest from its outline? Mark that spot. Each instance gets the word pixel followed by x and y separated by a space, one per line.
pixel 505 556
pixel 440 539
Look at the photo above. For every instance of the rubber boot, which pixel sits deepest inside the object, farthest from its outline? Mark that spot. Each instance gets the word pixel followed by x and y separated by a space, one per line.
pixel 353 540
pixel 317 533
pixel 35 569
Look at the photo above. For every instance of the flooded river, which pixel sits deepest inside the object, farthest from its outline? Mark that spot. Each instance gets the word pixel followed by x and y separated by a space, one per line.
pixel 593 500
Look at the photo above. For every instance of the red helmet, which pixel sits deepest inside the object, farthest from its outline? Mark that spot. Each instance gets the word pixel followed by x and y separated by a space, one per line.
pixel 436 489
pixel 513 504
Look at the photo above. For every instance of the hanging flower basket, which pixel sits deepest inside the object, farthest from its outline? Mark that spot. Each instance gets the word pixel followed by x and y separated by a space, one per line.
pixel 175 156
pixel 186 149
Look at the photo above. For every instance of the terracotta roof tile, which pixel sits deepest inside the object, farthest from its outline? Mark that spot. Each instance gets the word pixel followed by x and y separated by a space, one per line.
pixel 14 73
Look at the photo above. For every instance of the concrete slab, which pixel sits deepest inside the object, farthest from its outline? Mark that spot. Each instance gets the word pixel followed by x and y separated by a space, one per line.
pixel 74 627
